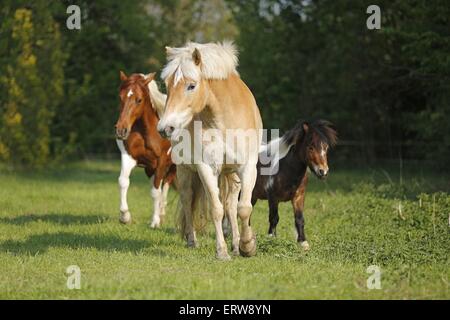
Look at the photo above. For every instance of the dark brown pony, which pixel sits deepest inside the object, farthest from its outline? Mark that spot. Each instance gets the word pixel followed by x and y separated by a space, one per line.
pixel 304 146
pixel 140 143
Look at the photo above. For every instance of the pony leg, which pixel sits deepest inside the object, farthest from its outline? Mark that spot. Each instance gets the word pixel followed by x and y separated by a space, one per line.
pixel 165 192
pixel 210 184
pixel 298 203
pixel 156 194
pixel 273 217
pixel 185 178
pixel 127 165
pixel 247 242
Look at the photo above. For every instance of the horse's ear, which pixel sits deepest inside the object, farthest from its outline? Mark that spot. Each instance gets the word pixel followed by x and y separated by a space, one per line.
pixel 196 56
pixel 123 76
pixel 149 77
pixel 305 127
pixel 169 50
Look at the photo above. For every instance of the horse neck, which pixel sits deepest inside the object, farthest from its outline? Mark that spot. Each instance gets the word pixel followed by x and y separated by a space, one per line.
pixel 216 111
pixel 297 152
pixel 149 117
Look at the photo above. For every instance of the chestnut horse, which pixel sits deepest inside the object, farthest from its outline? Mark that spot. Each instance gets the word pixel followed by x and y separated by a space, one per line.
pixel 304 146
pixel 205 90
pixel 140 143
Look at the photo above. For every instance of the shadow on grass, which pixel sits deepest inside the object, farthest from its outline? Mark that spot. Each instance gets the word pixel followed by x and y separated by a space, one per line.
pixel 42 242
pixel 63 219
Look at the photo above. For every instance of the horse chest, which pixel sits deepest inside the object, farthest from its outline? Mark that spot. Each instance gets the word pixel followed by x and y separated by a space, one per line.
pixel 283 186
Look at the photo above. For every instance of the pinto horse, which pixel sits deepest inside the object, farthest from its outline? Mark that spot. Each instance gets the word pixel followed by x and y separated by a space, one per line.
pixel 205 90
pixel 304 146
pixel 140 143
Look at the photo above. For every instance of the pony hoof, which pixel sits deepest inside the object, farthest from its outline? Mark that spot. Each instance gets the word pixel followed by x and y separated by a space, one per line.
pixel 305 245
pixel 125 217
pixel 155 224
pixel 224 256
pixel 248 249
pixel 235 251
pixel 192 244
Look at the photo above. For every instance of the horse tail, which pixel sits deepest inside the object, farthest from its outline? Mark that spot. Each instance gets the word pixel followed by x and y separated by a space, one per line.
pixel 227 188
pixel 200 207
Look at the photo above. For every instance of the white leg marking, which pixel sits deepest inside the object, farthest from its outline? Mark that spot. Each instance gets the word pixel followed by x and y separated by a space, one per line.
pixel 305 245
pixel 156 195
pixel 127 165
pixel 165 192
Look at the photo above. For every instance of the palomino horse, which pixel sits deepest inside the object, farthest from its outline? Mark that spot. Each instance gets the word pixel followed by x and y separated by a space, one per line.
pixel 140 143
pixel 304 146
pixel 205 90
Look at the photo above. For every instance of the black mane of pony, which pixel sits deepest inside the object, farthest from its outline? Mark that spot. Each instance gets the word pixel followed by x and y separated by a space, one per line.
pixel 324 129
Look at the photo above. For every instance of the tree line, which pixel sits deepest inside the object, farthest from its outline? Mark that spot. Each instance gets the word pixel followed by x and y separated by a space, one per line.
pixel 387 90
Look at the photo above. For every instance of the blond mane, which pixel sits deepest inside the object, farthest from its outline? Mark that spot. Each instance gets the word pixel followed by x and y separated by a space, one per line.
pixel 157 97
pixel 218 61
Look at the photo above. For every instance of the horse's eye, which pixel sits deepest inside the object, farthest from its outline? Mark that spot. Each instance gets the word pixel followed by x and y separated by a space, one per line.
pixel 138 101
pixel 191 87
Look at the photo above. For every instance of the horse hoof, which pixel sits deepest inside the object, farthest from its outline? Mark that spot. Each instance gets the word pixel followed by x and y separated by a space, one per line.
pixel 125 218
pixel 192 244
pixel 248 249
pixel 305 245
pixel 223 256
pixel 155 224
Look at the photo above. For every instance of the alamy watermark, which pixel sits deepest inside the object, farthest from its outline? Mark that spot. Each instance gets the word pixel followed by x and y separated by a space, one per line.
pixel 73 277
pixel 374 280
pixel 231 146
pixel 73 22
pixel 374 20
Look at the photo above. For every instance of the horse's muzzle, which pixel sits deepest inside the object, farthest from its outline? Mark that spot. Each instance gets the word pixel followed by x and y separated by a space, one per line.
pixel 322 174
pixel 122 133
pixel 166 132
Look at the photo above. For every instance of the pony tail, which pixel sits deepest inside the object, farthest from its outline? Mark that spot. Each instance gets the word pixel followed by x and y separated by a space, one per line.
pixel 200 208
pixel 228 185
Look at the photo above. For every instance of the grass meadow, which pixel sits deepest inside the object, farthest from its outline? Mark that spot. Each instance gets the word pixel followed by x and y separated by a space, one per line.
pixel 359 217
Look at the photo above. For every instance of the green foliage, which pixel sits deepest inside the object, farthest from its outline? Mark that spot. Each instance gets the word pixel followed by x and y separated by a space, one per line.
pixel 32 83
pixel 386 89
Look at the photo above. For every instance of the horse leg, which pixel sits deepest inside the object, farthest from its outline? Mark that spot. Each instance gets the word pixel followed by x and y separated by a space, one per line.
pixel 157 199
pixel 247 242
pixel 232 199
pixel 127 165
pixel 273 217
pixel 298 202
pixel 165 192
pixel 210 184
pixel 185 182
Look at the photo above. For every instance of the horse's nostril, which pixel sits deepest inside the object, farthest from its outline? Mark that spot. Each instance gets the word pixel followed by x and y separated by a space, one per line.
pixel 168 131
pixel 321 172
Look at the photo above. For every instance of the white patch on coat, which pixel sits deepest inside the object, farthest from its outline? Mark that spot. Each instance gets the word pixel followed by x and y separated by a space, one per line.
pixel 130 93
pixel 276 149
pixel 157 200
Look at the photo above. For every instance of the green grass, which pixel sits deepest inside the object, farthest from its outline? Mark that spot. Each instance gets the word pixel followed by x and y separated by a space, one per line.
pixel 66 216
